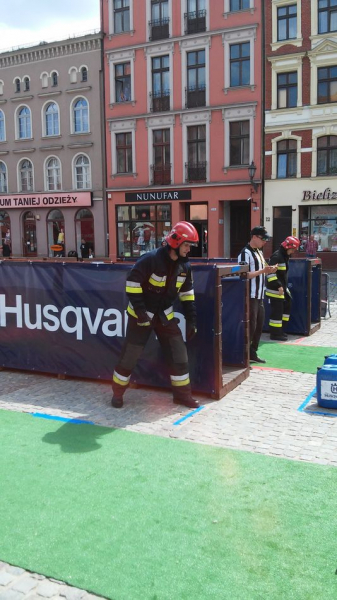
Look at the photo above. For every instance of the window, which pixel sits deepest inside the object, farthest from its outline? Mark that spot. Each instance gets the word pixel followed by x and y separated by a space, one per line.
pixel 159 19
pixel 5 231
pixel 53 174
pixel 239 143
pixel 327 155
pixel 321 222
pixel 52 119
pixel 286 158
pixel 124 152
pixel 287 90
pixel 141 228
pixel 121 15
pixel 236 5
pixel 327 85
pixel 196 16
pixel 29 234
pixel 327 16
pixel 160 83
pixel 84 230
pixel 287 22
pixel 17 83
pixel 25 128
pixel 81 116
pixel 26 176
pixel 196 86
pixel 2 127
pixel 55 231
pixel 84 74
pixel 26 84
pixel 54 79
pixel 3 178
pixel 82 173
pixel 123 82
pixel 162 157
pixel 240 64
pixel 196 153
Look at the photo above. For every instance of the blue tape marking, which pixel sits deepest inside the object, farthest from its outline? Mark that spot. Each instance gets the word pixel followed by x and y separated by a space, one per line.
pixel 190 414
pixel 234 269
pixel 64 419
pixel 317 412
pixel 307 400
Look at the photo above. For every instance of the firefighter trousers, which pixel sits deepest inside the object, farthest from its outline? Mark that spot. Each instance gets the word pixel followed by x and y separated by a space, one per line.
pixel 174 349
pixel 279 314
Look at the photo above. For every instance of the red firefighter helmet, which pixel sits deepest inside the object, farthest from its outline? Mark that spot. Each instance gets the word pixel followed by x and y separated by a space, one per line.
pixel 291 242
pixel 182 232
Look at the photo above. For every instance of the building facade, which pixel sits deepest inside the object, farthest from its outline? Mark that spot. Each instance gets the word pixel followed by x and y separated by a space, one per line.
pixel 183 121
pixel 51 148
pixel 300 123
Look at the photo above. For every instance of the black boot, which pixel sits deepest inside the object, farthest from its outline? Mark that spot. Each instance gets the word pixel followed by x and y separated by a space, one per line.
pixel 117 401
pixel 279 337
pixel 255 358
pixel 189 402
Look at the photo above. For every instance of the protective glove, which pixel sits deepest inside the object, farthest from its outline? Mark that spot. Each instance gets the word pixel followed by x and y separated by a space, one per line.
pixel 143 319
pixel 191 330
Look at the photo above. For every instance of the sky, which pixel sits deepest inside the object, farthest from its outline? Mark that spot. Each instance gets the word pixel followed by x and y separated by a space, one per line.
pixel 26 22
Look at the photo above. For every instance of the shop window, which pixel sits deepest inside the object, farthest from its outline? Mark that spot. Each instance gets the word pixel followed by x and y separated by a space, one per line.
pixel 160 83
pixel 29 234
pixel 5 232
pixel 124 152
pixel 327 155
pixel 26 182
pixel 320 222
pixel 121 10
pixel 286 159
pixel 84 231
pixel 196 166
pixel 287 22
pixel 197 215
pixel 327 16
pixel 287 90
pixel 123 82
pixel 141 228
pixel 327 85
pixel 3 178
pixel 55 232
pixel 239 143
pixel 240 64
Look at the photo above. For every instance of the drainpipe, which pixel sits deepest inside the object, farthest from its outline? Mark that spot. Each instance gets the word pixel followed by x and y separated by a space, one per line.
pixel 263 107
pixel 103 137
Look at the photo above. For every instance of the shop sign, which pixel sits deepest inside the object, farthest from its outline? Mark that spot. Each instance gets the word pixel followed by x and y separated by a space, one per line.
pixel 46 200
pixel 158 196
pixel 328 194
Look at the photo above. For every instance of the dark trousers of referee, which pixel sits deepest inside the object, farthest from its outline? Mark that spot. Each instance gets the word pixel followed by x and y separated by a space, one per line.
pixel 279 314
pixel 174 349
pixel 256 320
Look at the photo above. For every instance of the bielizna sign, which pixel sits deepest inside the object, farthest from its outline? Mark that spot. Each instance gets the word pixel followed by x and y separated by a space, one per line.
pixel 46 200
pixel 328 194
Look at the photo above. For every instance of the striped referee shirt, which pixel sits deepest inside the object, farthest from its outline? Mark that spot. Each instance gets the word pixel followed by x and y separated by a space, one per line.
pixel 255 260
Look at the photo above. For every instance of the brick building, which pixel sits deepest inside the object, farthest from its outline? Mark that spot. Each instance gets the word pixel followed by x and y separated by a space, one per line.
pixel 300 123
pixel 183 121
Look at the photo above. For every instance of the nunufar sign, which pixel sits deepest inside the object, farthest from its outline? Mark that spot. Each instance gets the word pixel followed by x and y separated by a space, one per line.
pixel 71 199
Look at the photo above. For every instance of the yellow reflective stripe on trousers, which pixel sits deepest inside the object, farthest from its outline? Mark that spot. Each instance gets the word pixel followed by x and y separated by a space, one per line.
pixel 120 379
pixel 180 380
pixel 131 311
pixel 285 317
pixel 273 323
pixel 169 313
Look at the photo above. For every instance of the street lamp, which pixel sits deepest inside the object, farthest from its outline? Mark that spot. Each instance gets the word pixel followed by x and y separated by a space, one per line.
pixel 251 173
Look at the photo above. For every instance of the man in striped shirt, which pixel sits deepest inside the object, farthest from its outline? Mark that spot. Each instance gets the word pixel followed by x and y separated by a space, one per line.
pixel 258 268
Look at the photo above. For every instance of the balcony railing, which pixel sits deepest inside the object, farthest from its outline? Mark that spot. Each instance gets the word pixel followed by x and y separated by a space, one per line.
pixel 195 96
pixel 160 101
pixel 195 22
pixel 159 29
pixel 196 171
pixel 161 175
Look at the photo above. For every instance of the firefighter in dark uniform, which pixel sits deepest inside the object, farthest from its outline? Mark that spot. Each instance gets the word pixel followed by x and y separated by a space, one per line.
pixel 277 289
pixel 153 284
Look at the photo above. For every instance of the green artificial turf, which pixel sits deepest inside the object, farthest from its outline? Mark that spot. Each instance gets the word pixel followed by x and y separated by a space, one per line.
pixel 138 517
pixel 304 359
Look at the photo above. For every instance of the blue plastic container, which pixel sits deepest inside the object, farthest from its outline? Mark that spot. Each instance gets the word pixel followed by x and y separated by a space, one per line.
pixel 331 359
pixel 327 386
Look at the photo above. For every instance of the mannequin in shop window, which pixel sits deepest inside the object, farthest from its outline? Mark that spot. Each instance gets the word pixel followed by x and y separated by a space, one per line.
pixel 6 244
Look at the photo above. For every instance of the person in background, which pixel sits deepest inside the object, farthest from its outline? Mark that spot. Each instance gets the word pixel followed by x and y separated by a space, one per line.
pixel 152 285
pixel 6 244
pixel 258 268
pixel 84 248
pixel 311 247
pixel 277 289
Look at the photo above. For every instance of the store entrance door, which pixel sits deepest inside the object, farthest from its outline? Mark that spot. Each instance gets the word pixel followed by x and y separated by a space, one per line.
pixel 239 226
pixel 197 215
pixel 29 235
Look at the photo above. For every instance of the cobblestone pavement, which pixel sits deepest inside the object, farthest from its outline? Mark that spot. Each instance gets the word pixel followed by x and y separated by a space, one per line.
pixel 261 415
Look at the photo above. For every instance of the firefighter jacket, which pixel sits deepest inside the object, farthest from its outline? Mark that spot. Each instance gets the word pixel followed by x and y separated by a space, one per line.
pixel 154 283
pixel 280 278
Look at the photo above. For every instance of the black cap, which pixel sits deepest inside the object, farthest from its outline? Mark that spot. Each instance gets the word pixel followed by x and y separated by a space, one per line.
pixel 260 230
